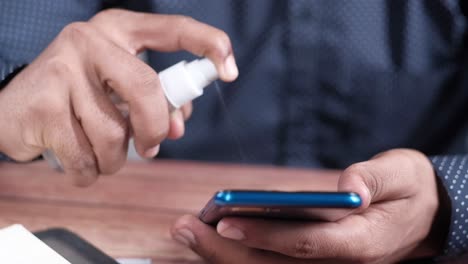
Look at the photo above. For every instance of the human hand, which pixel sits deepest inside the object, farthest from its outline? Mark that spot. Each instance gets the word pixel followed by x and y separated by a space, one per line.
pixel 396 221
pixel 60 101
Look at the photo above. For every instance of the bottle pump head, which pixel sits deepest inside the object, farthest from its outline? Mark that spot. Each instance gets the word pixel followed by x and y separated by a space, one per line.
pixel 184 81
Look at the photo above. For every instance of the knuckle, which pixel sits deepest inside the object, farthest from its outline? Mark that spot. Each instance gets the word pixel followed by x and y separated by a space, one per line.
pixel 52 108
pixel 51 105
pixel 357 171
pixel 56 108
pixel 58 69
pixel 84 163
pixel 182 20
pixel 357 168
pixel 77 32
pixel 222 43
pixel 112 150
pixel 146 81
pixel 110 16
pixel 154 136
pixel 84 170
pixel 375 186
pixel 159 135
pixel 404 156
pixel 412 164
pixel 113 167
pixel 110 12
pixel 146 77
pixel 54 101
pixel 362 170
pixel 115 163
pixel 116 136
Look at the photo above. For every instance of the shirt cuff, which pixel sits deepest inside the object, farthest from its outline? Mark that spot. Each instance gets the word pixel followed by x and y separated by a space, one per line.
pixel 8 71
pixel 453 173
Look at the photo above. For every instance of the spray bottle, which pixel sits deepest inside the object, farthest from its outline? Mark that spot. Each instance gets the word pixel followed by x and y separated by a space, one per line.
pixel 182 82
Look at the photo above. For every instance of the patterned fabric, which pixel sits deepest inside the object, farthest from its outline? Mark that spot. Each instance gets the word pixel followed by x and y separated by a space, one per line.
pixel 329 83
pixel 323 83
pixel 454 175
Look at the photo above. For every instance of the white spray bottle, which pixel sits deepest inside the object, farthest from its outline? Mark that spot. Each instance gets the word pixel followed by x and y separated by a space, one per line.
pixel 182 82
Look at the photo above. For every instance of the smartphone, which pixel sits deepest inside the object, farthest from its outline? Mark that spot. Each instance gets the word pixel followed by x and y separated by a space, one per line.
pixel 322 206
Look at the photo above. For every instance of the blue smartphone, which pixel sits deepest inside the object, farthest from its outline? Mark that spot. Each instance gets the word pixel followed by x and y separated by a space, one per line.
pixel 321 206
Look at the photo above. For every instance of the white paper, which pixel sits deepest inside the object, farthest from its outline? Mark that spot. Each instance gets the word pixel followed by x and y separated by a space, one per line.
pixel 19 246
pixel 133 261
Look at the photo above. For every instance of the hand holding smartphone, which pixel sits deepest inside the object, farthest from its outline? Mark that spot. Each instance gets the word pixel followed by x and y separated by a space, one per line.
pixel 319 206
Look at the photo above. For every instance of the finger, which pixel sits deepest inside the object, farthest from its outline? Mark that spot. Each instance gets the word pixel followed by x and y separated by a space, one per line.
pixel 138 86
pixel 104 125
pixel 187 110
pixel 61 132
pixel 389 176
pixel 302 240
pixel 169 33
pixel 204 241
pixel 177 126
pixel 67 140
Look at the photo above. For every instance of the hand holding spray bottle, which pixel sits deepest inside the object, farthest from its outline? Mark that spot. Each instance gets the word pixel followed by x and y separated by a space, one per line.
pixel 182 82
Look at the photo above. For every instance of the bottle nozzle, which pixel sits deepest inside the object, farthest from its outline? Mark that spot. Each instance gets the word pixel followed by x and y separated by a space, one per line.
pixel 203 72
pixel 184 81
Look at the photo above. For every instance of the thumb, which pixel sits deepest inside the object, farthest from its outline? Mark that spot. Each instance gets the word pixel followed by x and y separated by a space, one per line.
pixel 388 176
pixel 356 179
pixel 205 241
pixel 213 248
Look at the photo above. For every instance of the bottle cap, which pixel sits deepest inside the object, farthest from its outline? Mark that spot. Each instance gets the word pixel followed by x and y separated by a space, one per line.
pixel 184 81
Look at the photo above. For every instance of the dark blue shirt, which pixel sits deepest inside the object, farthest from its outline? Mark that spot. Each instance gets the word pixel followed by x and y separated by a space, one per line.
pixel 322 83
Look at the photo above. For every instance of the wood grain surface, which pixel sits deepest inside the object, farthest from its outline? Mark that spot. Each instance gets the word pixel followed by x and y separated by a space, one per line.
pixel 129 214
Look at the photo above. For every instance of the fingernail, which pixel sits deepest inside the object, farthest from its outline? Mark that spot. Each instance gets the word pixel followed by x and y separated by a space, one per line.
pixel 230 232
pixel 231 68
pixel 150 153
pixel 185 237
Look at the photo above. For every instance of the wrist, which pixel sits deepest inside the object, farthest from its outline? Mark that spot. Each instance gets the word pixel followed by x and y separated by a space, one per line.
pixel 434 242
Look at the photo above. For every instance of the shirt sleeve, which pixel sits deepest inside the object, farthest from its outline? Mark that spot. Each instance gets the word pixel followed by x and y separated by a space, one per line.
pixel 453 173
pixel 6 69
pixel 27 27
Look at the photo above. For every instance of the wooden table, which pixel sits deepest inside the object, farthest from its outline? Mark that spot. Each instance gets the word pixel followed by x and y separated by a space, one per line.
pixel 129 214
